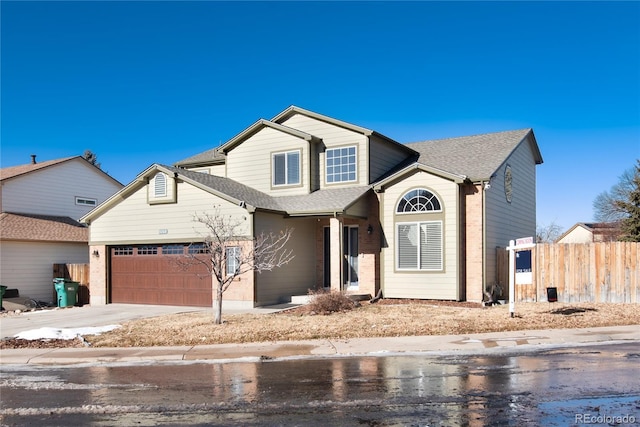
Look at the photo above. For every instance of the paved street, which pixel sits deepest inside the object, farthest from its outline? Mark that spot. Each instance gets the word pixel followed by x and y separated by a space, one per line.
pixel 549 387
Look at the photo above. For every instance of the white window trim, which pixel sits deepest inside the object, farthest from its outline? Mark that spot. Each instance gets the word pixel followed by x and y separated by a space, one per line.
pixel 231 251
pixel 286 168
pixel 326 165
pixel 418 269
pixel 160 188
pixel 419 212
pixel 86 201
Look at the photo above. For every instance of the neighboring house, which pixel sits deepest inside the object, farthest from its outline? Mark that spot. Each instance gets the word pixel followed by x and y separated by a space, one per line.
pixel 589 232
pixel 41 204
pixel 419 220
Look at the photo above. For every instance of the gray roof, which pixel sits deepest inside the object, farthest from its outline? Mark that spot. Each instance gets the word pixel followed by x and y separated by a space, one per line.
pixel 476 157
pixel 210 156
pixel 320 201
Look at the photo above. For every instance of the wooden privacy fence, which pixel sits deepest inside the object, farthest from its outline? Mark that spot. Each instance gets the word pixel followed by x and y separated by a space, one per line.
pixel 581 272
pixel 77 273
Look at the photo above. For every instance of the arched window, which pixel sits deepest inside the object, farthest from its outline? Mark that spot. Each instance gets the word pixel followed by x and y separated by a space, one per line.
pixel 419 200
pixel 419 242
pixel 160 185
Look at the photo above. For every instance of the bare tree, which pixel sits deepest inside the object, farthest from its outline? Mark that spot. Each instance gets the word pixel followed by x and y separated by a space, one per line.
pixel 548 233
pixel 607 205
pixel 227 253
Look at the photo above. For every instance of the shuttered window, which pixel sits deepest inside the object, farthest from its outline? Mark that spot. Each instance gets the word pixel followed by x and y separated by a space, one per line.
pixel 286 168
pixel 420 246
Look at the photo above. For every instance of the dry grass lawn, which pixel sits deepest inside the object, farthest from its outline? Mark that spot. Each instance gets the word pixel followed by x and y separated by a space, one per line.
pixel 387 318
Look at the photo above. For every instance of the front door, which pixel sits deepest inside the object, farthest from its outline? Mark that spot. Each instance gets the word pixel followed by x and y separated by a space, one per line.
pixel 350 257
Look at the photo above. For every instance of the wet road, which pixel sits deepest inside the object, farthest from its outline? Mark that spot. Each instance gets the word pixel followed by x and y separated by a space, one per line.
pixel 559 387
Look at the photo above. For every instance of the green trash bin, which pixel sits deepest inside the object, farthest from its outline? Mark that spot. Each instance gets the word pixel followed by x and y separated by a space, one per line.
pixel 67 291
pixel 2 289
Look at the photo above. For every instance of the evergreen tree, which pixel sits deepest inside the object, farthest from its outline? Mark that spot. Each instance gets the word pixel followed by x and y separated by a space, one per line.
pixel 630 225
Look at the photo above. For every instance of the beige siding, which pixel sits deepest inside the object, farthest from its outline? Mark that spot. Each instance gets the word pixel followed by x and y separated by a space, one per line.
pixel 577 235
pixel 135 221
pixel 218 170
pixel 507 221
pixel 297 277
pixel 28 266
pixel 383 157
pixel 250 162
pixel 53 190
pixel 333 137
pixel 425 285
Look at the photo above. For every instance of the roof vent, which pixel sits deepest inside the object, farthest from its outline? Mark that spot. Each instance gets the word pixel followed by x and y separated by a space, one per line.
pixel 33 159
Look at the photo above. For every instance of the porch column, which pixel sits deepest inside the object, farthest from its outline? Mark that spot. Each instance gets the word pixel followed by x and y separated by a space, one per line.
pixel 335 225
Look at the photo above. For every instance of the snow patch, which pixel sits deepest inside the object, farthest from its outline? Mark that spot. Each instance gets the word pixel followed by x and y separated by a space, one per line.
pixel 63 334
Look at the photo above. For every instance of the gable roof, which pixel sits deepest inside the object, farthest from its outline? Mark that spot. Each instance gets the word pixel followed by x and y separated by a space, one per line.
pixel 217 155
pixel 600 231
pixel 293 110
pixel 20 170
pixel 43 228
pixel 476 157
pixel 333 201
pixel 14 171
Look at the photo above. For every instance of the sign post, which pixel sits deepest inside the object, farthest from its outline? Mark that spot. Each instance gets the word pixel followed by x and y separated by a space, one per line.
pixel 514 246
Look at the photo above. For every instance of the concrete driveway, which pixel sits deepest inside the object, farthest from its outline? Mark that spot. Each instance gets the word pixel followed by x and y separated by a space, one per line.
pixel 112 314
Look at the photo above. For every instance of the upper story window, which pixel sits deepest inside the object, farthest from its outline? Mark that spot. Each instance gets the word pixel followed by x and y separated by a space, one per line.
pixel 160 185
pixel 84 201
pixel 419 200
pixel 286 168
pixel 341 164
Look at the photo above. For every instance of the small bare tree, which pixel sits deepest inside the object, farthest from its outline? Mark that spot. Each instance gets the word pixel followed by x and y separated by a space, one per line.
pixel 227 253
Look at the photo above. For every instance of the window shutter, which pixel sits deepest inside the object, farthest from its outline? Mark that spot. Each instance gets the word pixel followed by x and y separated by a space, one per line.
pixel 407 246
pixel 431 246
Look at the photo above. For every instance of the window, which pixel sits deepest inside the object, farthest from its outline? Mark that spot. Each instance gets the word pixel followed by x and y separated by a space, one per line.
pixel 341 164
pixel 286 168
pixel 123 250
pixel 160 185
pixel 197 248
pixel 84 201
pixel 233 255
pixel 419 243
pixel 419 200
pixel 172 249
pixel 420 246
pixel 147 250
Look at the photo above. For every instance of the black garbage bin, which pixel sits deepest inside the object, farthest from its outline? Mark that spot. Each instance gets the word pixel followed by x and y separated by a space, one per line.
pixel 552 294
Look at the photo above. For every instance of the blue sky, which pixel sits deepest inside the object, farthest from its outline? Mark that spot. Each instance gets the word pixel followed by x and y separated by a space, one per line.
pixel 156 82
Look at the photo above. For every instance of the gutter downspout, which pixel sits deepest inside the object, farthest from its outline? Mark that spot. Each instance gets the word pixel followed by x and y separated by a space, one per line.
pixel 484 239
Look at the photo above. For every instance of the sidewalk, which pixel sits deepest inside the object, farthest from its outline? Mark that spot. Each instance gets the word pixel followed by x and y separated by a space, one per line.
pixel 498 342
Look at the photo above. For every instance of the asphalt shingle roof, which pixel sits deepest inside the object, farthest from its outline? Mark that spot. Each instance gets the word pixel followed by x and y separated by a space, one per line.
pixel 19 226
pixel 319 201
pixel 476 157
pixel 12 171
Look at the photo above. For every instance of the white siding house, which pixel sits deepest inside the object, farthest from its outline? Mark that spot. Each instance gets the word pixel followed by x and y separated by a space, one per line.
pixel 41 205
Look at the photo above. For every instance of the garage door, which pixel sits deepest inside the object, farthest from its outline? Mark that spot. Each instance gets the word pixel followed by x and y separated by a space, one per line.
pixel 148 274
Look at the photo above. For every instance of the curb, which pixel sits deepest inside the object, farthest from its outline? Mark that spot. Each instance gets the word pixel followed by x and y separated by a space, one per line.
pixel 493 342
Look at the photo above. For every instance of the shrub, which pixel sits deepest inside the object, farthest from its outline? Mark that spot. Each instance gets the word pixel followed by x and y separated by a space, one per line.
pixel 327 302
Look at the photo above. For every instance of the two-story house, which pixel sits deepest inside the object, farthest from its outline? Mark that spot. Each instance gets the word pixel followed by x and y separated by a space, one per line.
pixel 369 214
pixel 41 203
